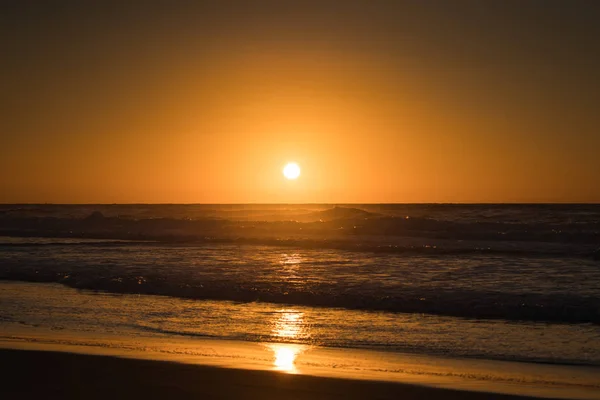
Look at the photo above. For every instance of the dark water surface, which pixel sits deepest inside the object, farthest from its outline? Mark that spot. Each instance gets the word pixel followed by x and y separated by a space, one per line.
pixel 516 264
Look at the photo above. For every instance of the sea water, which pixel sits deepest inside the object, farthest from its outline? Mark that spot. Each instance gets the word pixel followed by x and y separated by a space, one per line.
pixel 482 282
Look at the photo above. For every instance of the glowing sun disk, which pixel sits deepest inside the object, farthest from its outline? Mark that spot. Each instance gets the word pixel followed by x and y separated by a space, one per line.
pixel 291 171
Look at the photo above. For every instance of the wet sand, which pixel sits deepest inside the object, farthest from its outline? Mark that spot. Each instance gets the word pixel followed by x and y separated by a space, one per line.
pixel 56 375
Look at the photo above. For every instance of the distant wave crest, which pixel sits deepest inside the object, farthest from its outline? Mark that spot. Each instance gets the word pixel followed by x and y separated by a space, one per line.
pixel 345 228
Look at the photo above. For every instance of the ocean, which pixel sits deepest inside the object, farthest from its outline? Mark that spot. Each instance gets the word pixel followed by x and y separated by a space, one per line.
pixel 518 283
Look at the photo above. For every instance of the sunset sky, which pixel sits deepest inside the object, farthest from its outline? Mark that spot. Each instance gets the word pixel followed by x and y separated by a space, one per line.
pixel 377 101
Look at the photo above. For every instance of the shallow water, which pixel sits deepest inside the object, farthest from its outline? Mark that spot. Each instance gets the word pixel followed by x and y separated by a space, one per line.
pixel 57 308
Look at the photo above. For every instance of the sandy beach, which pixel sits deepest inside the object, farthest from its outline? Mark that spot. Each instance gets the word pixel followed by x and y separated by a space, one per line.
pixel 56 375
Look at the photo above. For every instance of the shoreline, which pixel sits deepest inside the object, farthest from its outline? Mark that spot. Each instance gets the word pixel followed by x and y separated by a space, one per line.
pixel 434 377
pixel 51 317
pixel 51 374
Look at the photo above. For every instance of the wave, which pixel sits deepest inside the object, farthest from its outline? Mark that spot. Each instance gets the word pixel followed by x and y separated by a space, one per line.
pixel 438 249
pixel 365 232
pixel 339 213
pixel 343 228
pixel 457 303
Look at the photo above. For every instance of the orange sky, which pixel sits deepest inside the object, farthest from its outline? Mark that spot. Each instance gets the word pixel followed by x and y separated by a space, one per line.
pixel 378 102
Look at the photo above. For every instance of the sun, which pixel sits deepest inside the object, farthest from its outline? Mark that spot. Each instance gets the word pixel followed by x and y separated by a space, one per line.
pixel 291 171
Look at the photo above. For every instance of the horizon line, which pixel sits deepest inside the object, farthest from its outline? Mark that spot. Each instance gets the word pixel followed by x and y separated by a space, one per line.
pixel 309 203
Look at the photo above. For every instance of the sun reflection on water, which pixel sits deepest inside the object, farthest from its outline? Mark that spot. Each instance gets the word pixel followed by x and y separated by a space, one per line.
pixel 288 326
pixel 291 260
pixel 285 357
